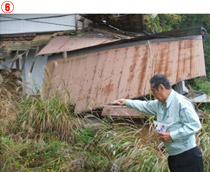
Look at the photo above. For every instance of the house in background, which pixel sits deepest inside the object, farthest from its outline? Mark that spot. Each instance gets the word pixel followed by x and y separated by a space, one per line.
pixel 21 38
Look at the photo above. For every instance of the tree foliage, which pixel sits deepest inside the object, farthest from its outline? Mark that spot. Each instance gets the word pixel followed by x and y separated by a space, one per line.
pixel 167 22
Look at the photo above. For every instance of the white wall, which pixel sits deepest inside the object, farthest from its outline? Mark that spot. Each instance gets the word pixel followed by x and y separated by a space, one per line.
pixel 9 23
pixel 7 63
pixel 33 81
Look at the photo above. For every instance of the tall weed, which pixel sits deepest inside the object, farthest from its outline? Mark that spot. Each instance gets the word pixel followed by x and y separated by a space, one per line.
pixel 39 115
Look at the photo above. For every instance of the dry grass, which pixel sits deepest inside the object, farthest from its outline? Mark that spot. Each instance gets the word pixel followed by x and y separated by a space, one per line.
pixel 131 148
pixel 38 115
pixel 39 134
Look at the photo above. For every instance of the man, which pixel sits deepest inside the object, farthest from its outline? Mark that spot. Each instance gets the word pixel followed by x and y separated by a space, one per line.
pixel 177 112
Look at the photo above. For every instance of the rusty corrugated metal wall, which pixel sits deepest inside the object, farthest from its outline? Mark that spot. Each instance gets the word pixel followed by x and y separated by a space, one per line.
pixel 96 79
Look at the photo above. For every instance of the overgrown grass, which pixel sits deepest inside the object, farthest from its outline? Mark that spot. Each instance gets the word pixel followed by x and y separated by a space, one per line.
pixel 39 115
pixel 43 134
pixel 131 148
pixel 203 139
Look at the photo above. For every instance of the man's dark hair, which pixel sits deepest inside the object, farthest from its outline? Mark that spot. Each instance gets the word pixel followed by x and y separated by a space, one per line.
pixel 158 79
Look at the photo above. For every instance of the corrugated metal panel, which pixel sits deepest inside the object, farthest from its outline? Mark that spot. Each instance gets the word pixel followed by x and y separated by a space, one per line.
pixel 96 79
pixel 69 43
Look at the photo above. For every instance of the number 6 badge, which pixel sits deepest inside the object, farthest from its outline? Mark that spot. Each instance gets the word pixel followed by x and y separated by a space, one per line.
pixel 7 6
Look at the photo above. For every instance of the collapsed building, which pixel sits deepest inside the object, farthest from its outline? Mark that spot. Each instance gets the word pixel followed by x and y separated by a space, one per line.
pixel 107 60
pixel 96 75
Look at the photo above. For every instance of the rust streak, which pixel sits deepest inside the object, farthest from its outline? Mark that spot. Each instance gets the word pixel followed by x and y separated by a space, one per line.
pixel 101 75
pixel 142 71
pixel 167 60
pixel 94 73
pixel 184 65
pixel 108 89
pixel 121 73
pixel 162 55
pixel 179 50
pixel 133 66
pixel 191 58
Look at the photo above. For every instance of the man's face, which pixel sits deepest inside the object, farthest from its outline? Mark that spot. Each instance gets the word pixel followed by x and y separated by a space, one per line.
pixel 158 93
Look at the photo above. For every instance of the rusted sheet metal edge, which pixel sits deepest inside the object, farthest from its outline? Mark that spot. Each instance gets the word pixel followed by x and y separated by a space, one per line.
pixel 136 41
pixel 121 111
pixel 117 44
pixel 127 42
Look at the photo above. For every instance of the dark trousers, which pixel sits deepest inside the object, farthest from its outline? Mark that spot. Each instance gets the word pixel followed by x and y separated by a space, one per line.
pixel 189 161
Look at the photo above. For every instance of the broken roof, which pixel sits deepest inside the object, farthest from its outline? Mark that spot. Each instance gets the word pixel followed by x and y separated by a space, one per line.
pixel 66 43
pixel 26 41
pixel 96 38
